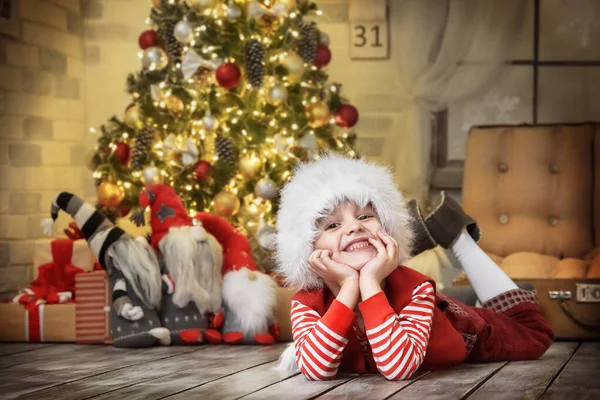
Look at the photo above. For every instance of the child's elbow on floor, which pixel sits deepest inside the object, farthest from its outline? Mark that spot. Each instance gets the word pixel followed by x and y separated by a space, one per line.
pixel 317 378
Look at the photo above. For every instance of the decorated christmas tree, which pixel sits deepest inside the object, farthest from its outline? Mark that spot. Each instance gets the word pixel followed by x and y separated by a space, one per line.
pixel 231 94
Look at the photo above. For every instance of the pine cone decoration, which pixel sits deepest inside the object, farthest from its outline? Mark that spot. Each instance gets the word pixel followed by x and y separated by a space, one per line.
pixel 307 44
pixel 254 53
pixel 110 213
pixel 174 47
pixel 143 142
pixel 225 149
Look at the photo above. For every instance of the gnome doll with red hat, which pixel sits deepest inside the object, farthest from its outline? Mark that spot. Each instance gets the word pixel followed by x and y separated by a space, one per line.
pixel 248 295
pixel 190 261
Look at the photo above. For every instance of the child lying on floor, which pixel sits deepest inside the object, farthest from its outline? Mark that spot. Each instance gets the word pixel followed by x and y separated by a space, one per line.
pixel 344 231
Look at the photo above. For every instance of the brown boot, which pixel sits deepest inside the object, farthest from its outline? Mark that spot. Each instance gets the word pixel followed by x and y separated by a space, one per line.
pixel 448 220
pixel 422 240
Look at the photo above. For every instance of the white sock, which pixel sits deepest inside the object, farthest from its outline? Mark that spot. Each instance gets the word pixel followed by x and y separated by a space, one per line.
pixel 486 277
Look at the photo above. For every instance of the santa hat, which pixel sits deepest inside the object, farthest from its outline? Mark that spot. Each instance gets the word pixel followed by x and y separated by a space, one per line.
pixel 314 191
pixel 236 247
pixel 99 232
pixel 247 292
pixel 166 211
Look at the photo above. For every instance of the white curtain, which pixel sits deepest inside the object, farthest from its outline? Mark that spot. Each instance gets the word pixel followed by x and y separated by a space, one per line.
pixel 447 51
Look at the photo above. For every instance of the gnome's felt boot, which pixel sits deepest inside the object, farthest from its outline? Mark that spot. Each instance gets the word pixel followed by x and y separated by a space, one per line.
pixel 443 226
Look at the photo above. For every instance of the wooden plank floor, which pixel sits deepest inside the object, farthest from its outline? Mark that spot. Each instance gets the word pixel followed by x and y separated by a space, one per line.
pixel 66 371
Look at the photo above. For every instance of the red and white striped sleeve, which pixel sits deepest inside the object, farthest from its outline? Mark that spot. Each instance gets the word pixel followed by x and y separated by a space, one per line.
pixel 320 341
pixel 399 341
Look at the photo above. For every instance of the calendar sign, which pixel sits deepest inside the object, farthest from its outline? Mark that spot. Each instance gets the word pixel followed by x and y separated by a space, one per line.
pixel 369 40
pixel 369 29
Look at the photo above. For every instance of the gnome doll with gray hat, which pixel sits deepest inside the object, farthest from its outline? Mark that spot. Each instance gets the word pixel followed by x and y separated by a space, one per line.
pixel 132 269
pixel 190 261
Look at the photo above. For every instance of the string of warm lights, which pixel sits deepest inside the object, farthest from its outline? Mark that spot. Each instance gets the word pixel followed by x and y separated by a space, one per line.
pixel 231 95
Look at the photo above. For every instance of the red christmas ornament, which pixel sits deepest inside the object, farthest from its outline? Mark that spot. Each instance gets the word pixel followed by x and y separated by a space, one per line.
pixel 323 56
pixel 147 39
pixel 228 75
pixel 122 153
pixel 124 210
pixel 202 171
pixel 346 116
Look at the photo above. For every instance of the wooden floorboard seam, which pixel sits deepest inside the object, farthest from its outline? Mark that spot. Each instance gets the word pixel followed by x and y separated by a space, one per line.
pixel 333 387
pixel 407 385
pixel 271 384
pixel 216 379
pixel 25 351
pixel 484 380
pixel 560 370
pixel 112 370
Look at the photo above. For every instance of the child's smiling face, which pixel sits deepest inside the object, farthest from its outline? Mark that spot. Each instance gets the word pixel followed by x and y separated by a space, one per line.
pixel 345 233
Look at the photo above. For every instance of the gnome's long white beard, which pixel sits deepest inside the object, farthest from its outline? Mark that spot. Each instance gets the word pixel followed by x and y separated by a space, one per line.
pixel 194 260
pixel 251 297
pixel 139 265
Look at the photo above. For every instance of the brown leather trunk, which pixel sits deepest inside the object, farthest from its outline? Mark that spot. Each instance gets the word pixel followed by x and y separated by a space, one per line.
pixel 571 306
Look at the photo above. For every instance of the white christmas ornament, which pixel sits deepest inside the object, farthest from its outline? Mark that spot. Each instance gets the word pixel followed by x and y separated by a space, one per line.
pixel 210 122
pixel 266 235
pixel 201 5
pixel 266 188
pixel 183 32
pixel 150 176
pixel 192 61
pixel 188 149
pixel 324 38
pixel 257 10
pixel 282 144
pixel 233 11
pixel 278 94
pixel 157 93
pixel 309 143
pixel 154 58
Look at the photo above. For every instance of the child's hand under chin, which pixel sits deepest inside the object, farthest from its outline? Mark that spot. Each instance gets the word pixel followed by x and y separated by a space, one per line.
pixel 330 271
pixel 386 260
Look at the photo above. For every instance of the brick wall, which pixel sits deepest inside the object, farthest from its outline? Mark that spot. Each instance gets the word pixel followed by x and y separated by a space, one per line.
pixel 42 125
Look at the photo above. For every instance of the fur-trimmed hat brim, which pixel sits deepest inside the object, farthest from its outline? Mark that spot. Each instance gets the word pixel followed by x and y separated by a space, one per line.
pixel 315 190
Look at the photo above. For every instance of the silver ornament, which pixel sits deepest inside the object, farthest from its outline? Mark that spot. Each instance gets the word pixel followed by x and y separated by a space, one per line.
pixel 278 94
pixel 210 123
pixel 282 144
pixel 183 32
pixel 154 58
pixel 159 93
pixel 323 38
pixel 266 235
pixel 266 188
pixel 309 143
pixel 151 176
pixel 201 5
pixel 233 11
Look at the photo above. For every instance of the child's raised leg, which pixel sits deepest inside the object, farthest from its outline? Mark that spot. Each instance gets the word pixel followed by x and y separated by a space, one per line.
pixel 486 277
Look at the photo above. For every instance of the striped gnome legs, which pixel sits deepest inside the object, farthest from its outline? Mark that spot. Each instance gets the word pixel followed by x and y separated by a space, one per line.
pixel 132 269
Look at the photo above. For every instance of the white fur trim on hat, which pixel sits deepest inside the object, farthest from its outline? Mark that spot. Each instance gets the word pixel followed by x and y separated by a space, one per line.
pixel 314 191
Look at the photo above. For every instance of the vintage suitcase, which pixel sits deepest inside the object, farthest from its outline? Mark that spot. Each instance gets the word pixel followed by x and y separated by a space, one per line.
pixel 571 306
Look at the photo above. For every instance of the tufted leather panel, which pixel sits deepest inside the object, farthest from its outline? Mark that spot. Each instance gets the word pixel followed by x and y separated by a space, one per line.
pixel 531 188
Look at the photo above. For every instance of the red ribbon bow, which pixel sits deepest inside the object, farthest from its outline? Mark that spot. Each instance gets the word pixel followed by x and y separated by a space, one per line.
pixel 56 280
